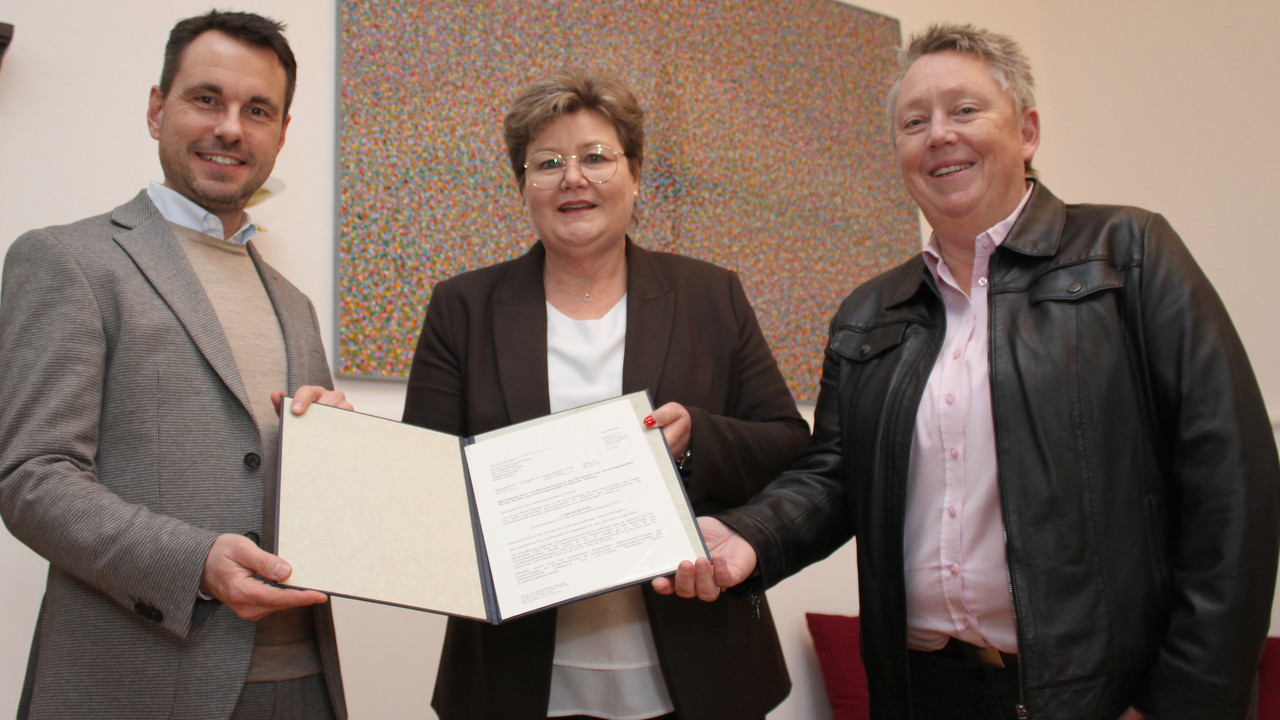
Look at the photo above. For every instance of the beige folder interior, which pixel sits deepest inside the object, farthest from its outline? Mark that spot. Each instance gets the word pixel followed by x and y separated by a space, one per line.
pixel 373 509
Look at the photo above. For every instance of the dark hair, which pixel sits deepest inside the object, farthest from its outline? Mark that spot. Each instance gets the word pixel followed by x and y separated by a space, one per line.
pixel 563 93
pixel 249 28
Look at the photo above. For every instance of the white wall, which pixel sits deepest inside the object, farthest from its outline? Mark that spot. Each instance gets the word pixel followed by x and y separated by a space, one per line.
pixel 1141 103
pixel 1181 121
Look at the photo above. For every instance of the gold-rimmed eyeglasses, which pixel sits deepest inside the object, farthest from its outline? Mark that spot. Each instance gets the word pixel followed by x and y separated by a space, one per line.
pixel 598 163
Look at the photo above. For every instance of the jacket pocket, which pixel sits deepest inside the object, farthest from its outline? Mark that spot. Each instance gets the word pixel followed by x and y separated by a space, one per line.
pixel 861 345
pixel 1076 282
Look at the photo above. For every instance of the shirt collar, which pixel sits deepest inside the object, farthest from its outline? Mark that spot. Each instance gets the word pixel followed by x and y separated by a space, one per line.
pixel 180 210
pixel 984 244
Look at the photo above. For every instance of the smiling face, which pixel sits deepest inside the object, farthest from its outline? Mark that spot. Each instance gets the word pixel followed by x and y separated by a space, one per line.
pixel 961 145
pixel 579 216
pixel 221 124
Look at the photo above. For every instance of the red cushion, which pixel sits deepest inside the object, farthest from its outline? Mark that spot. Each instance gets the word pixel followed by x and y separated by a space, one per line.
pixel 835 638
pixel 1269 681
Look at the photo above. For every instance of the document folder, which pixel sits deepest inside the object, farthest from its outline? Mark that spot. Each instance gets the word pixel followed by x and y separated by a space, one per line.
pixel 509 522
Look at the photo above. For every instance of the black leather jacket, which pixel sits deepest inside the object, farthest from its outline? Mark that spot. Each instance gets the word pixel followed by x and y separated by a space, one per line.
pixel 1137 469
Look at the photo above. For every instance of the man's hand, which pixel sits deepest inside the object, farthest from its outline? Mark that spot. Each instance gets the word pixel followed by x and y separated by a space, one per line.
pixel 308 394
pixel 732 561
pixel 1132 714
pixel 230 575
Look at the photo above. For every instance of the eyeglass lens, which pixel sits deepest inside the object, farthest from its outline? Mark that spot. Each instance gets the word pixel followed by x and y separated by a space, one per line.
pixel 598 163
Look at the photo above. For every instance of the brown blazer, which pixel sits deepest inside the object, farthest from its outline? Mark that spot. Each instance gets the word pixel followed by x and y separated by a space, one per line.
pixel 692 337
pixel 126 446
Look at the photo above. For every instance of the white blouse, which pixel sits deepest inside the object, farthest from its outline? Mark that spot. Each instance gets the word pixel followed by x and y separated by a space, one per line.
pixel 605 663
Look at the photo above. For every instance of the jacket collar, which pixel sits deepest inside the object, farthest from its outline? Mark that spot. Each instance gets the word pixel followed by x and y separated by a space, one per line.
pixel 520 330
pixel 293 324
pixel 1037 232
pixel 651 309
pixel 520 337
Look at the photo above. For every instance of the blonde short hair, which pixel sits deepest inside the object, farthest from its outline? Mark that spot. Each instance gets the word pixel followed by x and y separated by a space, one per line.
pixel 565 92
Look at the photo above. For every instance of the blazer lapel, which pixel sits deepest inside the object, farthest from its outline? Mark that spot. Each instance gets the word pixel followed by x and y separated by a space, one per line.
pixel 288 317
pixel 520 337
pixel 650 316
pixel 147 239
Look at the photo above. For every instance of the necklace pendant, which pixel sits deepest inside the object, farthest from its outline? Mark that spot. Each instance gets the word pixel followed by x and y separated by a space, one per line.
pixel 586 297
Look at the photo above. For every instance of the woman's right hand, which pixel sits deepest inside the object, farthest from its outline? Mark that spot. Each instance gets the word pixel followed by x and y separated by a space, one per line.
pixel 732 561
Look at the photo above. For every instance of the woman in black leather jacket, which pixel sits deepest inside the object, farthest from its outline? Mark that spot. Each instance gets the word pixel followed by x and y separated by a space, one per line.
pixel 1135 469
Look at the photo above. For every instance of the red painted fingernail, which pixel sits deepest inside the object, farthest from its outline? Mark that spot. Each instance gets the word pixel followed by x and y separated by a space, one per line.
pixel 649 421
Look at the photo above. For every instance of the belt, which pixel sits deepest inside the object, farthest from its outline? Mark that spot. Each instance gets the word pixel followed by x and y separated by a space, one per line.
pixel 975 655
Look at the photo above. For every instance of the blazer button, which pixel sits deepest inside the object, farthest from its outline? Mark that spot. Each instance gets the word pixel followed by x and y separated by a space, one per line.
pixel 864 350
pixel 1074 288
pixel 252 461
pixel 257 540
pixel 148 612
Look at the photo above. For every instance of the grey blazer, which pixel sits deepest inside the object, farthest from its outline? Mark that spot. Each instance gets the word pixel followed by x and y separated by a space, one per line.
pixel 126 446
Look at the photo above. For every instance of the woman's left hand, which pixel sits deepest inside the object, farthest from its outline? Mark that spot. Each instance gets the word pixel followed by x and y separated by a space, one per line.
pixel 676 426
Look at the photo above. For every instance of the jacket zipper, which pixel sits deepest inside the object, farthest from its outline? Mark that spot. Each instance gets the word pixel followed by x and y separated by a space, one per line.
pixel 1021 707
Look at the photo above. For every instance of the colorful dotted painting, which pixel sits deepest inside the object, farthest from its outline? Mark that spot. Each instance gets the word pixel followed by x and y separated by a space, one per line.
pixel 766 152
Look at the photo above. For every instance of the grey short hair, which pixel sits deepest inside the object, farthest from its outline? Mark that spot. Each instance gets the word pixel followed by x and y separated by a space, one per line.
pixel 1000 53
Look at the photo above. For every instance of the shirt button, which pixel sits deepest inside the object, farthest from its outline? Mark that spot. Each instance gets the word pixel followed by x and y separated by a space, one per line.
pixel 951 399
pixel 953 569
pixel 955 454
pixel 951 511
pixel 982 281
pixel 955 354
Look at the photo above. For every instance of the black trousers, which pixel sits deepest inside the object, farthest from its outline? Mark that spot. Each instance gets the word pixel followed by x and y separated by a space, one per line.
pixel 947 687
pixel 671 716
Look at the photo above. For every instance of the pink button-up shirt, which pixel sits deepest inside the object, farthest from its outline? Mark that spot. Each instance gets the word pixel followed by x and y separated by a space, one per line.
pixel 957 577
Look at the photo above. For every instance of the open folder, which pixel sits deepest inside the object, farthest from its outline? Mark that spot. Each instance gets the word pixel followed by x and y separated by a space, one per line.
pixel 492 527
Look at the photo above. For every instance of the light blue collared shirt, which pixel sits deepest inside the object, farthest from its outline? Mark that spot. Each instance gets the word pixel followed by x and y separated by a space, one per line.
pixel 180 210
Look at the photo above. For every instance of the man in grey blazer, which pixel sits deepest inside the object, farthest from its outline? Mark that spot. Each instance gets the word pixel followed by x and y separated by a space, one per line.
pixel 140 355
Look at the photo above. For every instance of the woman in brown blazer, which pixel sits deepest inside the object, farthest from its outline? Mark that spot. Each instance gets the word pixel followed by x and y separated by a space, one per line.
pixel 587 315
